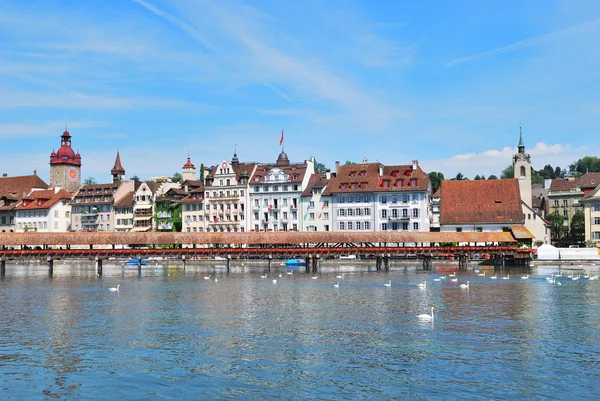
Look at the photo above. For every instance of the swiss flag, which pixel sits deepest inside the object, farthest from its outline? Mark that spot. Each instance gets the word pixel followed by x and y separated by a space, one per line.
pixel 269 208
pixel 281 140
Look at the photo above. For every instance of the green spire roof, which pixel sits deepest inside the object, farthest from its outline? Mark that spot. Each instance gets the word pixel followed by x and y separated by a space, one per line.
pixel 521 143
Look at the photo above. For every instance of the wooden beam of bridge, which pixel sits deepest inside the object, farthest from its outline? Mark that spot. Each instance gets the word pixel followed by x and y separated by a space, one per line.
pixel 250 238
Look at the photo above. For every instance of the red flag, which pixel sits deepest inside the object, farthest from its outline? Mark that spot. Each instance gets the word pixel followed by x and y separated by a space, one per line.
pixel 269 208
pixel 281 140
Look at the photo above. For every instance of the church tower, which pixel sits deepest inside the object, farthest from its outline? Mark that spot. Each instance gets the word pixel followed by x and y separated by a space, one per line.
pixel 188 171
pixel 65 166
pixel 522 171
pixel 117 171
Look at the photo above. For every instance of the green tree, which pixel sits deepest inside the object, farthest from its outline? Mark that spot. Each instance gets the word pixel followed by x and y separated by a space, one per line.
pixel 536 178
pixel 558 173
pixel 578 227
pixel 460 177
pixel 436 180
pixel 90 181
pixel 547 172
pixel 177 178
pixel 177 218
pixel 348 162
pixel 508 172
pixel 492 177
pixel 587 164
pixel 478 178
pixel 320 168
pixel 558 225
pixel 201 176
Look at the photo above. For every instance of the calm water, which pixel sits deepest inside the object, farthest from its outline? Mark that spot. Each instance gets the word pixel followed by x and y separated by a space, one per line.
pixel 169 333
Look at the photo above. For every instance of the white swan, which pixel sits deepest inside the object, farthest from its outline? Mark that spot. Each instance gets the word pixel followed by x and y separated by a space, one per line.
pixel 452 274
pixel 340 276
pixel 337 285
pixel 594 277
pixel 465 285
pixel 494 277
pixel 115 289
pixel 507 277
pixel 265 276
pixel 423 285
pixel 290 272
pixel 425 317
pixel 216 280
pixel 525 277
pixel 388 284
pixel 207 277
pixel 274 281
pixel 454 280
pixel 481 274
pixel 476 271
pixel 315 277
pixel 436 279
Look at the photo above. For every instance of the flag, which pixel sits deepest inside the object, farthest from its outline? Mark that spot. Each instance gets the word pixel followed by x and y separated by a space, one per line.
pixel 281 140
pixel 269 208
pixel 323 207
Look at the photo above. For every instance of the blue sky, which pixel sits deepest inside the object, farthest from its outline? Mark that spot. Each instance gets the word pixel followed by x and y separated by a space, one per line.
pixel 444 82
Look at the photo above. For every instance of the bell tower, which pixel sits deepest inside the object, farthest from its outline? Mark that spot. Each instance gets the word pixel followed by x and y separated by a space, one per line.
pixel 65 165
pixel 522 170
pixel 117 171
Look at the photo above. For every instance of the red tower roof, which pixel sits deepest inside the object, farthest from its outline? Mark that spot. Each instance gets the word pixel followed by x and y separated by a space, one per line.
pixel 189 164
pixel 118 168
pixel 65 154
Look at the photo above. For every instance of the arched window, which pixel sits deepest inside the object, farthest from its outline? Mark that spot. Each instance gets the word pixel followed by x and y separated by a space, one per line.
pixel 523 171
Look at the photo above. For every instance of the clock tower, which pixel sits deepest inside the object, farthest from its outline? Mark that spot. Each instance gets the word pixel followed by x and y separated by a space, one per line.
pixel 65 166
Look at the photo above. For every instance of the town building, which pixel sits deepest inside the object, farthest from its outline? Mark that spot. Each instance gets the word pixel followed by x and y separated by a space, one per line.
pixel 533 221
pixel 317 208
pixel 227 196
pixel 275 194
pixel 591 211
pixel 563 198
pixel 12 191
pixel 92 207
pixel 143 206
pixel 188 171
pixel 65 166
pixel 374 197
pixel 435 211
pixel 44 211
pixel 480 205
pixel 117 172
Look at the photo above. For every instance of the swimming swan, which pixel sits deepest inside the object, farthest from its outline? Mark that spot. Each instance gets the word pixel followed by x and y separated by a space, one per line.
pixel 466 286
pixel 388 284
pixel 115 289
pixel 425 317
pixel 423 285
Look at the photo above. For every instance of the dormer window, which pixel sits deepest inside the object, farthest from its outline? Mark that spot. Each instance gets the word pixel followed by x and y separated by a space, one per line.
pixel 385 183
pixel 414 182
pixel 395 173
pixel 362 173
pixel 408 173
pixel 352 173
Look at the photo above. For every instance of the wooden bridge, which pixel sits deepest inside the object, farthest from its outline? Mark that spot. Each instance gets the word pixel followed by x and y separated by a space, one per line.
pixel 500 247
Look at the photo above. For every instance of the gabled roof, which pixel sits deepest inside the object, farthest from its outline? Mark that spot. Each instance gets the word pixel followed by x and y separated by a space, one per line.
pixel 562 184
pixel 589 180
pixel 592 197
pixel 125 200
pixel 481 202
pixel 15 186
pixel 365 178
pixel 43 199
pixel 295 171
pixel 316 181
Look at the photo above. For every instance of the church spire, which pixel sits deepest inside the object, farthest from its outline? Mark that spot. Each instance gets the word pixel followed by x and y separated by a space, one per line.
pixel 117 171
pixel 521 146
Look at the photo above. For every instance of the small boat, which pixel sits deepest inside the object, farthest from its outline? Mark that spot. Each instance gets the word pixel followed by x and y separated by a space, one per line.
pixel 219 258
pixel 347 257
pixel 295 262
pixel 137 261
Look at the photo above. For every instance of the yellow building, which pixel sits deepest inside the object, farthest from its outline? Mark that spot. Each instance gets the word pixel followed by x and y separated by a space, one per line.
pixel 591 210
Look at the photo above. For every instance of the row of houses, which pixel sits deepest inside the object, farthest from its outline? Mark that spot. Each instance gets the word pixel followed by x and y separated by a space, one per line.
pixel 284 196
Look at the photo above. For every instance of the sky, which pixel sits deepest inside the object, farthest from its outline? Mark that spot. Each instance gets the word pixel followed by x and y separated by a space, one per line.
pixel 447 83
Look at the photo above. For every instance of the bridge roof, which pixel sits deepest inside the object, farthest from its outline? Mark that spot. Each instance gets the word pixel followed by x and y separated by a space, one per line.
pixel 250 238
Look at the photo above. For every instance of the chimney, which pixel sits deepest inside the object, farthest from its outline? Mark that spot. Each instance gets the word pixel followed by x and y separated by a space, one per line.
pixel 4 175
pixel 415 164
pixel 328 174
pixel 337 167
pixel 185 188
pixel 381 170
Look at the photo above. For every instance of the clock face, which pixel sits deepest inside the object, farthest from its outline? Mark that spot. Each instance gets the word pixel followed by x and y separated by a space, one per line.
pixel 72 173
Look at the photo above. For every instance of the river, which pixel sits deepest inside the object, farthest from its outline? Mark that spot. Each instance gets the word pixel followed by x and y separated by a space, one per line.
pixel 169 333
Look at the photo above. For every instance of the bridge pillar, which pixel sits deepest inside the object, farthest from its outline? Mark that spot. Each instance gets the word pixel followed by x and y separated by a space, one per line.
pixel 99 265
pixel 386 261
pixel 2 265
pixel 228 261
pixel 315 267
pixel 50 264
pixel 183 260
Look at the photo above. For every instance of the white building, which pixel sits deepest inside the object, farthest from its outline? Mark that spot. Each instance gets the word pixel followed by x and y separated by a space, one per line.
pixel 374 197
pixel 44 211
pixel 317 208
pixel 275 194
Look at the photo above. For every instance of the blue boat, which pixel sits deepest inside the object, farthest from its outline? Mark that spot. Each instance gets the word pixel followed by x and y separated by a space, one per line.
pixel 295 262
pixel 136 261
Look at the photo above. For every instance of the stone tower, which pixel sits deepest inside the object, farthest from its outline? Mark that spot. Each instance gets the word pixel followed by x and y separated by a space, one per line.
pixel 117 171
pixel 65 166
pixel 188 171
pixel 522 171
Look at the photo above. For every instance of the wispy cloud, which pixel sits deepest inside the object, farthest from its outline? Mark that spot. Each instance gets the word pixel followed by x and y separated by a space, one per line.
pixel 572 30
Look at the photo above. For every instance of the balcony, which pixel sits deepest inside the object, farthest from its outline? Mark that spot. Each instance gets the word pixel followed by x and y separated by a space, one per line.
pixel 398 218
pixel 274 209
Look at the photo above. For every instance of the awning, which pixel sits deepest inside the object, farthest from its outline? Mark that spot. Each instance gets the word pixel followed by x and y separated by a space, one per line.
pixel 143 218
pixel 142 207
pixel 141 229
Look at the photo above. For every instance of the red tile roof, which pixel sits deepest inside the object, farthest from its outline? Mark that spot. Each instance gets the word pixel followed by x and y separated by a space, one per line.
pixel 589 180
pixel 561 184
pixel 316 181
pixel 366 178
pixel 481 202
pixel 295 172
pixel 43 199
pixel 126 200
pixel 15 186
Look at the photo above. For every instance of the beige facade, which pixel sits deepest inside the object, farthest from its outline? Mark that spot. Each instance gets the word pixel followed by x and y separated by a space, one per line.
pixel 591 211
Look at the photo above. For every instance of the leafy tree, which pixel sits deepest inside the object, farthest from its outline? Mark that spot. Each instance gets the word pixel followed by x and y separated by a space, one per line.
pixel 460 177
pixel 177 218
pixel 558 173
pixel 578 227
pixel 478 178
pixel 436 180
pixel 558 227
pixel 202 172
pixel 536 178
pixel 348 162
pixel 177 178
pixel 508 172
pixel 90 181
pixel 320 168
pixel 492 177
pixel 547 172
pixel 587 164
